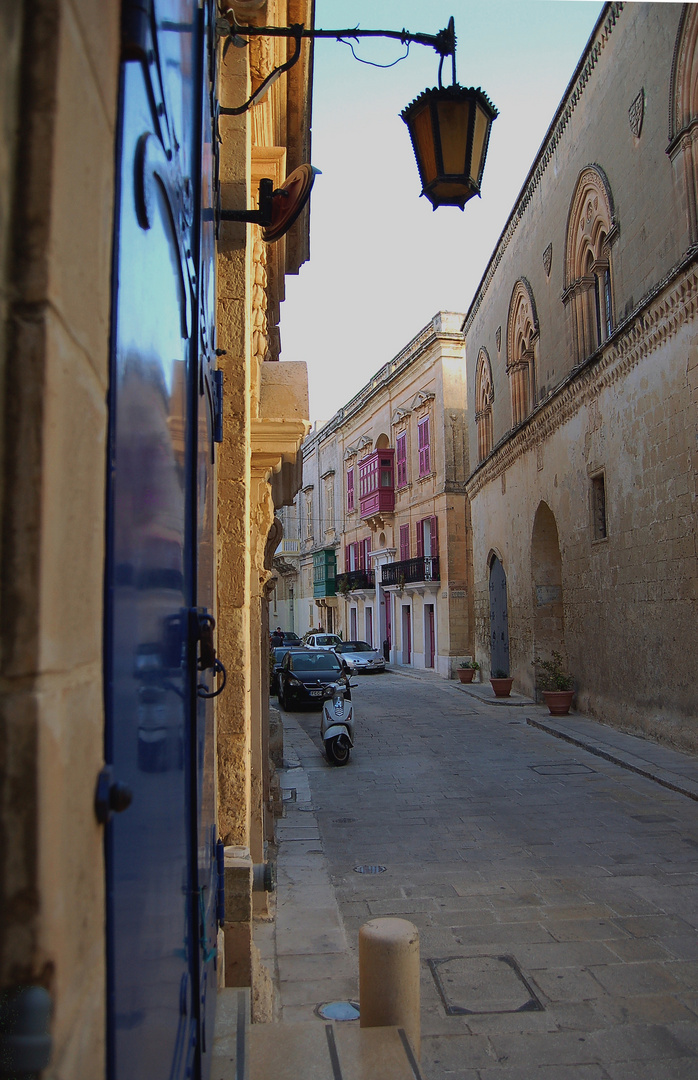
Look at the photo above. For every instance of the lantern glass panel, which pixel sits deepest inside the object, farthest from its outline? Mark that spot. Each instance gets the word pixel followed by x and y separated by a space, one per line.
pixel 454 119
pixel 482 127
pixel 424 144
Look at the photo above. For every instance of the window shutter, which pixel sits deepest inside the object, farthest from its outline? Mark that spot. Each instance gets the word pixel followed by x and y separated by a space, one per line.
pixel 420 539
pixel 435 535
pixel 346 558
pixel 424 447
pixel 404 542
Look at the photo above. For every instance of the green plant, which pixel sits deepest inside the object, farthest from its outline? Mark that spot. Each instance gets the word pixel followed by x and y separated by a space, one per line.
pixel 471 664
pixel 552 675
pixel 500 673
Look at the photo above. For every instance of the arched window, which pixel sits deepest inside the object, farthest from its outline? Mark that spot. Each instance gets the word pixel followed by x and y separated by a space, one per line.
pixel 522 345
pixel 683 113
pixel 591 230
pixel 484 396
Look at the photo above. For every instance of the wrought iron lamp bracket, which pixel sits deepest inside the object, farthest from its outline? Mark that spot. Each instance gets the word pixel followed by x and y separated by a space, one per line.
pixel 444 43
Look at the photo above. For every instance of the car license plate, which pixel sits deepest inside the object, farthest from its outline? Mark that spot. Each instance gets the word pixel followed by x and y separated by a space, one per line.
pixel 315 693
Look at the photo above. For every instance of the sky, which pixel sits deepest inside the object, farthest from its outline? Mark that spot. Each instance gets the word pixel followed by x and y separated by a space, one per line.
pixel 382 261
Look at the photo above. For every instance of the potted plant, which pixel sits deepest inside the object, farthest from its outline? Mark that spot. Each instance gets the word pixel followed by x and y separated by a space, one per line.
pixel 501 683
pixel 556 684
pixel 467 671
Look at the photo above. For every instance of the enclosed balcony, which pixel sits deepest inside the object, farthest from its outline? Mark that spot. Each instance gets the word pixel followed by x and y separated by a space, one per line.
pixel 324 573
pixel 423 569
pixel 356 581
pixel 377 484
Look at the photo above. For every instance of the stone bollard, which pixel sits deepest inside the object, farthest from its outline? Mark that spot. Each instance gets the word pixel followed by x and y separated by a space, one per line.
pixel 389 976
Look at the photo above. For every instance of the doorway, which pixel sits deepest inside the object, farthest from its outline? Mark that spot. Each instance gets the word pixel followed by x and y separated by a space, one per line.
pixel 406 635
pixel 429 636
pixel 369 626
pixel 546 571
pixel 499 619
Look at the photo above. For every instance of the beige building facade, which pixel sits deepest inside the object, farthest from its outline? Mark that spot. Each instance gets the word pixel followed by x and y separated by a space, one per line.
pixel 383 513
pixel 582 360
pixel 65 65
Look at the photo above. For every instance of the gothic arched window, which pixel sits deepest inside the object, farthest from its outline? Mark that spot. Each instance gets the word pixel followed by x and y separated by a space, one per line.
pixel 522 345
pixel 683 113
pixel 484 396
pixel 591 229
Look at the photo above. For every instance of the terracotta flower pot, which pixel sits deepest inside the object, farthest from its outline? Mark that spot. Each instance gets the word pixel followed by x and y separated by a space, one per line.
pixel 501 687
pixel 558 701
pixel 465 674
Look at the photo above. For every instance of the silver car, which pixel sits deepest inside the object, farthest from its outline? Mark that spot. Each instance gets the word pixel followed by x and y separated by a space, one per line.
pixel 360 656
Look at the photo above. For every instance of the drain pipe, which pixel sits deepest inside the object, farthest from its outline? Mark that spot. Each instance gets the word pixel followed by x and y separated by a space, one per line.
pixel 389 977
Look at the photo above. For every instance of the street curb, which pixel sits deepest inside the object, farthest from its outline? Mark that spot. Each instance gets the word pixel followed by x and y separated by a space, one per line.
pixel 685 787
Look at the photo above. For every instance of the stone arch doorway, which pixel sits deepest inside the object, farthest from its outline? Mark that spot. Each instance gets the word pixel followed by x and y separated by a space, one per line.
pixel 499 617
pixel 546 574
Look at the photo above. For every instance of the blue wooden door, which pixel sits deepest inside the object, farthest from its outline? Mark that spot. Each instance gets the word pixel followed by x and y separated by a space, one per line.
pixel 160 850
pixel 499 619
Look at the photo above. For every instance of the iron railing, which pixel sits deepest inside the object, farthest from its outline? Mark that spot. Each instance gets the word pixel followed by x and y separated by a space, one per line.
pixel 411 571
pixel 356 579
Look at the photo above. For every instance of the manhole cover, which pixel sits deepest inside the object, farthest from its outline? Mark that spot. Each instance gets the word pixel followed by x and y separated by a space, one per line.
pixel 369 869
pixel 482 984
pixel 344 821
pixel 307 809
pixel 564 768
pixel 339 1010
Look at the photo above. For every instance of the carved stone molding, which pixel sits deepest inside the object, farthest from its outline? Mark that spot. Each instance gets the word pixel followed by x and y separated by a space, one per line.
pixel 672 305
pixel 636 114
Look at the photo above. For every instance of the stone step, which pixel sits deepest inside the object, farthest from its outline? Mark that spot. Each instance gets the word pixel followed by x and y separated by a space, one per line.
pixel 324 1051
pixel 230 1055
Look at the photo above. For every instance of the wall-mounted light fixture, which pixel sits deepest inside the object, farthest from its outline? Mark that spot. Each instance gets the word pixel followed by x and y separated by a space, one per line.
pixel 449 125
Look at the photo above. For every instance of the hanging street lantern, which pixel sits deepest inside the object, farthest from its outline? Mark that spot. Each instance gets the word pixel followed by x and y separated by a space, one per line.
pixel 450 130
pixel 449 125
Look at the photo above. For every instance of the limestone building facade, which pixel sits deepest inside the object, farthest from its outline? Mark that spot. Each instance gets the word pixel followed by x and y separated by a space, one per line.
pixel 582 361
pixel 132 497
pixel 383 513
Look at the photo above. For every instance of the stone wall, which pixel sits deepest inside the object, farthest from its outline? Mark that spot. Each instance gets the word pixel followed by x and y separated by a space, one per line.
pixel 589 502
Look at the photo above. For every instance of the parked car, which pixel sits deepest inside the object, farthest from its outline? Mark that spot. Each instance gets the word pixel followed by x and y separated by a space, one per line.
pixel 323 641
pixel 305 674
pixel 360 656
pixel 277 656
pixel 289 638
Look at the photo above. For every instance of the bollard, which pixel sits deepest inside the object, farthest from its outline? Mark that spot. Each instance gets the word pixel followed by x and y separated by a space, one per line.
pixel 389 976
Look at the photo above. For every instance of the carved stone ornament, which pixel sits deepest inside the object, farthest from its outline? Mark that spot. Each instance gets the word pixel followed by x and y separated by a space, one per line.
pixel 636 113
pixel 548 259
pixel 498 338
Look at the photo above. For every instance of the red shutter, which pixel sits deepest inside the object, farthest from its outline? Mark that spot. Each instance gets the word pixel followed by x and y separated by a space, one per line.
pixel 435 536
pixel 350 489
pixel 420 539
pixel 404 542
pixel 424 447
pixel 346 558
pixel 362 565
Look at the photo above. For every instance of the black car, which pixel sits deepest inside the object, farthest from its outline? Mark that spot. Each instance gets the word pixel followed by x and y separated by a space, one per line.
pixel 304 675
pixel 276 660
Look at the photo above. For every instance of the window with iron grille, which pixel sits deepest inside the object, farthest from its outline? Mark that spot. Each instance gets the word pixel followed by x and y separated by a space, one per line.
pixel 424 447
pixel 598 506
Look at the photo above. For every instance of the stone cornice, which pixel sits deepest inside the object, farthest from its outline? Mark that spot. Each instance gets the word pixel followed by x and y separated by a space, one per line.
pixel 655 321
pixel 275 441
pixel 572 97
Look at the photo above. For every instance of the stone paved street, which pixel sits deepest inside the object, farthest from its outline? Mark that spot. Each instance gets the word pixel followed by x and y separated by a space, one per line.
pixel 554 890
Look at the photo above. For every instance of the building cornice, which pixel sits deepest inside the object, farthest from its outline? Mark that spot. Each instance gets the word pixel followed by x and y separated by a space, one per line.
pixel 669 306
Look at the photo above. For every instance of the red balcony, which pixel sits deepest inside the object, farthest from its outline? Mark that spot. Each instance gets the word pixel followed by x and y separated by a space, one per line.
pixel 377 484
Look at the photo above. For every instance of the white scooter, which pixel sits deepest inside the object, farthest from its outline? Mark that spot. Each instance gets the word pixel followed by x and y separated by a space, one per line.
pixel 337 723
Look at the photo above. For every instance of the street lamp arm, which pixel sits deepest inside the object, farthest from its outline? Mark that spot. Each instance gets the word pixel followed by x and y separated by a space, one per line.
pixel 444 43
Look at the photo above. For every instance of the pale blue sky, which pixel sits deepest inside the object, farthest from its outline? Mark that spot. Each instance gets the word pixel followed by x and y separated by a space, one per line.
pixel 382 262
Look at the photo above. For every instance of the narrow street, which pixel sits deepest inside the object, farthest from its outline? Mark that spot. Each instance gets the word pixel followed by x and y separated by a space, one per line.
pixel 554 890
